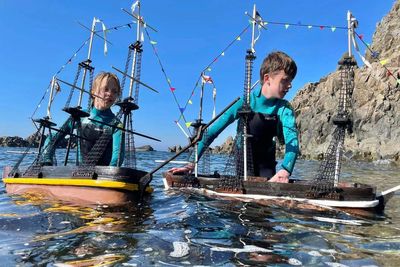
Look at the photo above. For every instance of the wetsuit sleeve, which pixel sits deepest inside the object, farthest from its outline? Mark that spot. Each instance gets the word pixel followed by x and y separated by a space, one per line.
pixel 116 147
pixel 290 134
pixel 215 129
pixel 52 140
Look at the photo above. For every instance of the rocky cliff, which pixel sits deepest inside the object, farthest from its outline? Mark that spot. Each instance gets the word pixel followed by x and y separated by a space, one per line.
pixel 376 103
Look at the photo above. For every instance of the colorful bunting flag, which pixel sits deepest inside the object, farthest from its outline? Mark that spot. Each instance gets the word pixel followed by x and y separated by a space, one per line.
pixel 374 54
pixel 333 29
pixel 398 81
pixel 321 27
pixel 223 54
pixel 190 101
pixel 206 79
pixel 182 110
pixel 309 26
pixel 208 69
pixel 188 124
pixel 361 36
pixel 383 62
pixel 238 38
pixel 153 42
pixel 172 89
pixel 389 73
pixel 286 26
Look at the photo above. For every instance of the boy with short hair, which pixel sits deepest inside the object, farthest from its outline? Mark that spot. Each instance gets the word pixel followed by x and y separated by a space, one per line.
pixel 271 116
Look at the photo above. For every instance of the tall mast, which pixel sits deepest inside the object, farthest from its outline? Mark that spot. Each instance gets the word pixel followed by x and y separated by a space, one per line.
pixel 250 56
pixel 349 31
pixel 86 64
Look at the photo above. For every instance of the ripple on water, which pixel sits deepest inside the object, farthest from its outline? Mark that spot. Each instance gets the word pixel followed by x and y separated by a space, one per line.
pixel 176 228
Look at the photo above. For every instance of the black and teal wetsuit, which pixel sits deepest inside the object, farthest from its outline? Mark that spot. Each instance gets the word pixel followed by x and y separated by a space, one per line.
pixel 91 131
pixel 269 118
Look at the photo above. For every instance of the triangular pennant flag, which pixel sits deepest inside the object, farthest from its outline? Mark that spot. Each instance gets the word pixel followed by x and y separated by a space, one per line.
pixel 188 124
pixel 265 23
pixel 223 54
pixel 361 36
pixel 286 26
pixel 190 101
pixel 206 79
pixel 238 38
pixel 153 42
pixel 333 29
pixel 374 54
pixel 389 73
pixel 309 26
pixel 321 27
pixel 383 62
pixel 172 89
pixel 398 81
pixel 182 110
pixel 208 69
pixel 169 81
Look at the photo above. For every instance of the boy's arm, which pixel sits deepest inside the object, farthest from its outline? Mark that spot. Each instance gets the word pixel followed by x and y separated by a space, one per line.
pixel 290 135
pixel 214 130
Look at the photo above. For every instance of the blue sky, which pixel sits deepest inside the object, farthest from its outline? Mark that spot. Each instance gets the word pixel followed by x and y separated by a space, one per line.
pixel 38 37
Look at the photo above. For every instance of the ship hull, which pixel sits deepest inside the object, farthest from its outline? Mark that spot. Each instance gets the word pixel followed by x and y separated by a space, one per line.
pixel 106 185
pixel 354 198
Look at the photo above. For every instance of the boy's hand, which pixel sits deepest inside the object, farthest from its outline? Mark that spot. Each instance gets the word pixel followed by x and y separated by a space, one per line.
pixel 281 176
pixel 188 169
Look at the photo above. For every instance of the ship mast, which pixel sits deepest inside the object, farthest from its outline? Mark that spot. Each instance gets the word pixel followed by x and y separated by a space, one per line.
pixel 245 112
pixel 131 102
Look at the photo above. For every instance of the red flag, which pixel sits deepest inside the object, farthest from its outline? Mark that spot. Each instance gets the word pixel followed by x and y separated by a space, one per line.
pixel 207 79
pixel 172 89
pixel 321 27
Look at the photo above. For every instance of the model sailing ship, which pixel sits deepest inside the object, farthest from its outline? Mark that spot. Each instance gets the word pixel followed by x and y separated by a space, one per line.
pixel 240 181
pixel 84 179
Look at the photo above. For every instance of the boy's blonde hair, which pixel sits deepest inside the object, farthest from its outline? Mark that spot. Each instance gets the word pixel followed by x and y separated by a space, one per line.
pixel 277 61
pixel 99 78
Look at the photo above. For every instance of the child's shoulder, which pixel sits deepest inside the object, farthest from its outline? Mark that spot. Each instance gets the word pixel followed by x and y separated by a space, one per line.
pixel 285 104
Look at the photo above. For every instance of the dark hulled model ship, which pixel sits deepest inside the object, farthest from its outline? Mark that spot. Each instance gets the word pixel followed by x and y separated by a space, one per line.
pixel 240 179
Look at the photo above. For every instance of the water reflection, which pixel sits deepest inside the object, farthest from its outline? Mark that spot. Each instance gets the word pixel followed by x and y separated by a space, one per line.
pixel 176 228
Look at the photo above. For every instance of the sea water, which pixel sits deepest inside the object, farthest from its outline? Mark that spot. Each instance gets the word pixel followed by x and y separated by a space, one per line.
pixel 173 228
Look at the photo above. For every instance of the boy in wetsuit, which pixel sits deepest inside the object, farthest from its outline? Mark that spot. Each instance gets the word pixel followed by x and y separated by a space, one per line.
pixel 271 116
pixel 105 91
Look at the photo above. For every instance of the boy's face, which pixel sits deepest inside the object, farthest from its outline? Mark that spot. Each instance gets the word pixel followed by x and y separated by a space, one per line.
pixel 277 84
pixel 108 91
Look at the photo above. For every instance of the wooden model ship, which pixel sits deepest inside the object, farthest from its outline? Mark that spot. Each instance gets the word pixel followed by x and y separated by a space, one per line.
pixel 325 190
pixel 84 181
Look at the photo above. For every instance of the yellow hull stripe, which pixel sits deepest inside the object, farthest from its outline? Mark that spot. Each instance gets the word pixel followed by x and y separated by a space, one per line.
pixel 74 182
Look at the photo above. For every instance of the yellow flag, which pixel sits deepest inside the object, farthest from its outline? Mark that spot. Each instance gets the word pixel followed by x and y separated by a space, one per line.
pixel 383 62
pixel 188 124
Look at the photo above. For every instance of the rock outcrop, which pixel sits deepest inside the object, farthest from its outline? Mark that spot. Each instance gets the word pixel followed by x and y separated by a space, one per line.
pixel 13 141
pixel 146 148
pixel 175 149
pixel 376 103
pixel 225 148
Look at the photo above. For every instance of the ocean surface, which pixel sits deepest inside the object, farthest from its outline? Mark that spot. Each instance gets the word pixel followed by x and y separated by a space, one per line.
pixel 174 228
